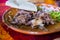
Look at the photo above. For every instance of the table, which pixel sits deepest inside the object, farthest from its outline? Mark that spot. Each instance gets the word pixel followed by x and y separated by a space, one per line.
pixel 20 36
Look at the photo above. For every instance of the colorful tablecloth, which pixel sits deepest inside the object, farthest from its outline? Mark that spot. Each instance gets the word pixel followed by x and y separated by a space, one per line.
pixel 20 36
pixel 4 35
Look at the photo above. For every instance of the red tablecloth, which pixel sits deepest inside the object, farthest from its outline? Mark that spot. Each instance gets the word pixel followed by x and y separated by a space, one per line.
pixel 19 36
pixel 2 1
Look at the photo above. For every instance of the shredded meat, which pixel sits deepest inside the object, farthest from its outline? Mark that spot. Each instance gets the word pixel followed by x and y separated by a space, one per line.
pixel 32 18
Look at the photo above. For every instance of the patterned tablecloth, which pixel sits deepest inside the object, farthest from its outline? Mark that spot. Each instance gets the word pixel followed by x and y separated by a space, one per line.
pixel 19 36
pixel 4 35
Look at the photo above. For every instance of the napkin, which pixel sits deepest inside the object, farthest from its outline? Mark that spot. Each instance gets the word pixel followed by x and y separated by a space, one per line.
pixel 22 4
